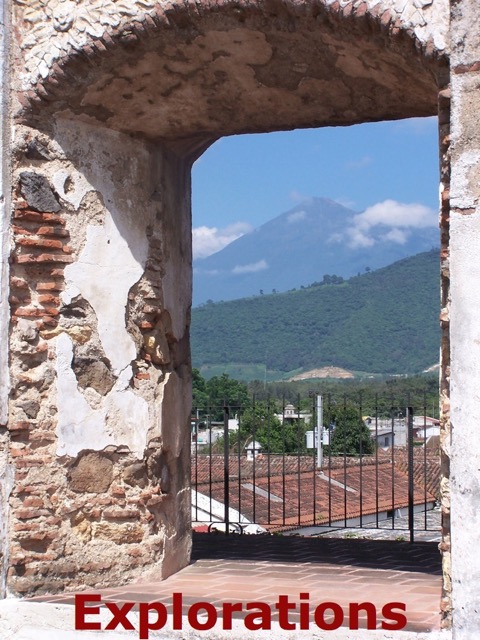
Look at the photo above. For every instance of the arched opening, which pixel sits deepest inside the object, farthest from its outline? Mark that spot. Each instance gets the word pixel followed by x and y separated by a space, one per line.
pixel 104 146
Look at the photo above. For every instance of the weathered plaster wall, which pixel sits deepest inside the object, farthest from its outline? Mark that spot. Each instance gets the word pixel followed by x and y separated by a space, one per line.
pixel 5 469
pixel 101 273
pixel 465 326
pixel 100 401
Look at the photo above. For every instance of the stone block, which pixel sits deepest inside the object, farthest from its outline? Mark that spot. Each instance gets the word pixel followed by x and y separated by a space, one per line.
pixel 118 533
pixel 38 193
pixel 93 473
pixel 93 373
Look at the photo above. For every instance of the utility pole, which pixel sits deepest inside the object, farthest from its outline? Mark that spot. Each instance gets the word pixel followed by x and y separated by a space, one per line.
pixel 319 432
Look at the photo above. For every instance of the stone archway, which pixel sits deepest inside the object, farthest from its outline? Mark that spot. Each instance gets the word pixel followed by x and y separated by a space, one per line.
pixel 112 107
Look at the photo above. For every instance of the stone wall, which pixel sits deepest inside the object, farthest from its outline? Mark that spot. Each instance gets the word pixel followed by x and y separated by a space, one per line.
pixel 444 149
pixel 6 479
pixel 111 100
pixel 464 322
pixel 99 412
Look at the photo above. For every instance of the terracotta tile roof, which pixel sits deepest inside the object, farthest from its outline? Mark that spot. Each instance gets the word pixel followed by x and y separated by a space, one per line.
pixel 299 495
pixel 426 468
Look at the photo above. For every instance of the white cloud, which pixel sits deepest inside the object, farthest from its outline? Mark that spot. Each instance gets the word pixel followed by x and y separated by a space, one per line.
pixel 387 221
pixel 396 214
pixel 253 267
pixel 357 239
pixel 396 235
pixel 208 240
pixel 296 216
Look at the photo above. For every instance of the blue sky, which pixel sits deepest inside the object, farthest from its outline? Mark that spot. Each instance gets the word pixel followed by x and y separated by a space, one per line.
pixel 243 181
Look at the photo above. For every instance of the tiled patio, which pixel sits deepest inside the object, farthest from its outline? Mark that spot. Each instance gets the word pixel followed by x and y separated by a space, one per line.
pixel 259 568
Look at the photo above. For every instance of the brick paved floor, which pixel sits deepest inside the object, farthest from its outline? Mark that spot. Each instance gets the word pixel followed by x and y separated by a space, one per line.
pixel 260 568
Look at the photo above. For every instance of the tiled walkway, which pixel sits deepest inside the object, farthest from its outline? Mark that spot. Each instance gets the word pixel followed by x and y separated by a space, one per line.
pixel 260 568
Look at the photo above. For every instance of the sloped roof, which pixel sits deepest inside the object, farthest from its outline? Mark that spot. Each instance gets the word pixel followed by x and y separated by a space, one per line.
pixel 301 496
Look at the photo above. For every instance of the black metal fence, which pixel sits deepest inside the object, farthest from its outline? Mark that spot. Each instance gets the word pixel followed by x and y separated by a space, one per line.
pixel 315 466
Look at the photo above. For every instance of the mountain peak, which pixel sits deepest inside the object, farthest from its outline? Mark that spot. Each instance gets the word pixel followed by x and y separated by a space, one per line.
pixel 317 236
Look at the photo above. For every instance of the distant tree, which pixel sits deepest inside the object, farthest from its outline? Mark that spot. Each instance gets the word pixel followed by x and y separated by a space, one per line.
pixel 259 422
pixel 350 435
pixel 199 391
pixel 261 292
pixel 221 389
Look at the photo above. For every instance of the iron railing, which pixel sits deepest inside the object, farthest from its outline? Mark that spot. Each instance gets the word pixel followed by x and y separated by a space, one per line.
pixel 378 465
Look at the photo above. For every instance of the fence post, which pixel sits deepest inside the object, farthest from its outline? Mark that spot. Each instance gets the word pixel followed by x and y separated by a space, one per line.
pixel 226 469
pixel 409 417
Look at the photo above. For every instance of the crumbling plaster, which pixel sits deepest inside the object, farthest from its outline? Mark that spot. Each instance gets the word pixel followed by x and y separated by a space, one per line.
pixel 112 256
pixel 98 334
pixel 156 79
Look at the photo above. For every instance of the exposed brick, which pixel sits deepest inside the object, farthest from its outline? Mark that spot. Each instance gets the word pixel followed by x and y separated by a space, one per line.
pixel 58 272
pixel 16 452
pixel 35 216
pixel 33 312
pixel 40 243
pixel 103 501
pixel 31 461
pixel 50 286
pixel 23 296
pixel 53 231
pixel 20 426
pixel 43 257
pixel 386 18
pixel 471 67
pixel 114 513
pixel 28 526
pixel 48 323
pixel 18 283
pixel 33 501
pixel 117 490
pixel 146 325
pixel 41 436
pixel 29 514
pixel 361 9
pixel 48 299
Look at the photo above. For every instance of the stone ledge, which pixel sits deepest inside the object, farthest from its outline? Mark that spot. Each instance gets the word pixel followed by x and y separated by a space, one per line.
pixel 23 620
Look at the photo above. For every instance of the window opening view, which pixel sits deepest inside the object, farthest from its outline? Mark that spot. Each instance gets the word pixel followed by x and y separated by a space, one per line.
pixel 315 338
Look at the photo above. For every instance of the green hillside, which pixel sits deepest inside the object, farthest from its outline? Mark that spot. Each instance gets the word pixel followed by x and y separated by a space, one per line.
pixel 385 321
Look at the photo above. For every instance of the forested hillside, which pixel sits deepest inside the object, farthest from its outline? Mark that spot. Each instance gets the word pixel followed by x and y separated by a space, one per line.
pixel 385 321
